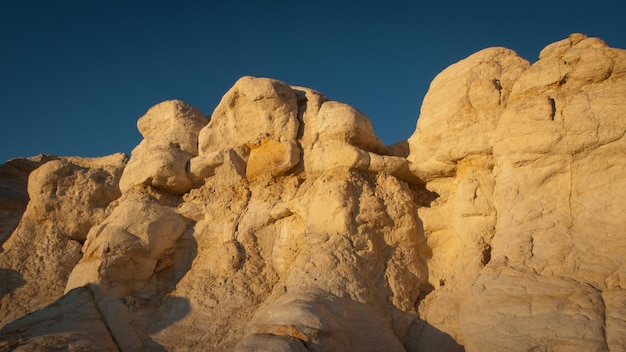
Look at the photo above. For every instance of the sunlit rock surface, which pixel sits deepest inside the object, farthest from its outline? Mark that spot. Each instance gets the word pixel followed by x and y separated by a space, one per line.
pixel 282 223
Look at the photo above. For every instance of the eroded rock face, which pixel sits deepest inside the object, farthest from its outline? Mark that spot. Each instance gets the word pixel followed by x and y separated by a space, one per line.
pixel 13 191
pixel 525 236
pixel 285 224
pixel 170 130
pixel 558 196
pixel 67 197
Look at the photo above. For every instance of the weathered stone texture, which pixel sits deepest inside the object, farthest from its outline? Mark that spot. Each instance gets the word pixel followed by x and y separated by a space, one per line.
pixel 533 216
pixel 68 195
pixel 283 223
pixel 170 130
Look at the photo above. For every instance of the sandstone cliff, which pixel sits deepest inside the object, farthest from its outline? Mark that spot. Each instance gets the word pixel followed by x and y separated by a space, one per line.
pixel 282 223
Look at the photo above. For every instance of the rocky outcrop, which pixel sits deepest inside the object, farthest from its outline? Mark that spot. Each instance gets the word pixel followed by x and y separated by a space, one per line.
pixel 13 193
pixel 170 132
pixel 526 236
pixel 283 223
pixel 68 195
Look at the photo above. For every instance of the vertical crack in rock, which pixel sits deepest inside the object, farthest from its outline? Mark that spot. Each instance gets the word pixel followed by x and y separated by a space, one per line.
pixel 553 108
pixel 498 86
pixel 604 321
pixel 485 255
pixel 603 309
pixel 89 288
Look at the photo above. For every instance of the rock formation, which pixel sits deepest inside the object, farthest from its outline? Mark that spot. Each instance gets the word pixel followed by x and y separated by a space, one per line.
pixel 282 223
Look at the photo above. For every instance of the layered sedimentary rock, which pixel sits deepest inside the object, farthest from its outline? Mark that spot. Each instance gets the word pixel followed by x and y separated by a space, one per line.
pixel 282 223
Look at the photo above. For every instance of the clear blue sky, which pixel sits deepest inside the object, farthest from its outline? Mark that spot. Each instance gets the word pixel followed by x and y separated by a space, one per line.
pixel 76 75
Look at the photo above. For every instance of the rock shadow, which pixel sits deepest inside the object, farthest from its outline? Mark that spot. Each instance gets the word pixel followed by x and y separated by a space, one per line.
pixel 82 319
pixel 10 280
pixel 424 337
pixel 167 309
pixel 73 322
pixel 325 322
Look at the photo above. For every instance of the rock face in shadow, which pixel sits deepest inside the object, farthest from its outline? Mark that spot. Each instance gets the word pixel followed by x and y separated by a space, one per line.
pixel 72 322
pixel 282 223
pixel 13 193
pixel 68 195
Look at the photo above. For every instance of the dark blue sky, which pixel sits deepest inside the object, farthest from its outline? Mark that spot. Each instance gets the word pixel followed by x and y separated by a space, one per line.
pixel 76 75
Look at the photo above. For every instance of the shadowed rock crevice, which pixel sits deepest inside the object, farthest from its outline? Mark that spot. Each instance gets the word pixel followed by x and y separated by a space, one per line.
pixel 13 191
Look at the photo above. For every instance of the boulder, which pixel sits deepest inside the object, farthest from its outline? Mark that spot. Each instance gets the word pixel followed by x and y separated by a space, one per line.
pixel 170 130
